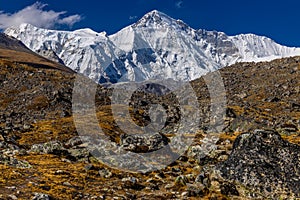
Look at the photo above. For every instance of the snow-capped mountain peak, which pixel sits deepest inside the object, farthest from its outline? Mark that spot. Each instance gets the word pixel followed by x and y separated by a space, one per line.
pixel 87 32
pixel 154 18
pixel 156 46
pixel 158 19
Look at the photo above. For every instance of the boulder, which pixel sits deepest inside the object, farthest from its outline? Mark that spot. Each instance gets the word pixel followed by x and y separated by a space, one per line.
pixel 265 163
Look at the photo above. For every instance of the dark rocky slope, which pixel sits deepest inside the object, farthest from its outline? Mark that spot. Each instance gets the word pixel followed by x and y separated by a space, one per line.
pixel 41 154
pixel 13 50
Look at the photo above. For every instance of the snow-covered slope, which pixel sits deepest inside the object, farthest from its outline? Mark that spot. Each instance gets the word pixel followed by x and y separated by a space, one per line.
pixel 156 46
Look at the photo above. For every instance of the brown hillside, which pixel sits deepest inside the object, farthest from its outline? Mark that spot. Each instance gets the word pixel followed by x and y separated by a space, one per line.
pixel 14 51
pixel 40 153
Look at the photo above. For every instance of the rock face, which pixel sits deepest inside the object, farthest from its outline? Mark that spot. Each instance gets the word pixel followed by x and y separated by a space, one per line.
pixel 50 54
pixel 11 43
pixel 266 163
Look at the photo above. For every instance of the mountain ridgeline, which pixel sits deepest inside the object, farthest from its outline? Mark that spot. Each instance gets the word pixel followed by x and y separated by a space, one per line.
pixel 155 47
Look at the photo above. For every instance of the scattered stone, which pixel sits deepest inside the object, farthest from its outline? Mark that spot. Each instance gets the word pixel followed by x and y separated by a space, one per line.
pixel 27 127
pixel 169 186
pixel 11 161
pixel 181 180
pixel 80 154
pixel 40 196
pixel 67 184
pixel 132 182
pixel 61 172
pixel 105 173
pixel 197 190
pixel 75 141
pixel 12 197
pixel 222 158
pixel 229 189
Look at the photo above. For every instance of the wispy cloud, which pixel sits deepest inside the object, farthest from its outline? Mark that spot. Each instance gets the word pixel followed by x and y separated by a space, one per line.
pixel 178 4
pixel 37 15
pixel 132 17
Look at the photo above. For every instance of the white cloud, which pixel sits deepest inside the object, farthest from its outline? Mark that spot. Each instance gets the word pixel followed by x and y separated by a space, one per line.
pixel 178 4
pixel 37 16
pixel 71 20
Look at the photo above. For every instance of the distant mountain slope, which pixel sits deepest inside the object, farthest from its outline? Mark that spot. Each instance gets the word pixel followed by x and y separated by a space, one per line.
pixel 156 46
pixel 15 51
pixel 11 43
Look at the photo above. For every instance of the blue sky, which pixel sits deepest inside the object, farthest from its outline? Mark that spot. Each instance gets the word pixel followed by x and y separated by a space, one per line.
pixel 279 20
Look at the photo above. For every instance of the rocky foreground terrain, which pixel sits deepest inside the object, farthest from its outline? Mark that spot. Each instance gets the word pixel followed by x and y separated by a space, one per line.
pixel 256 155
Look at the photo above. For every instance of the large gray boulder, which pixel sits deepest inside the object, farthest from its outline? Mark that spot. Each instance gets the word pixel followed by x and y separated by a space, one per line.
pixel 265 163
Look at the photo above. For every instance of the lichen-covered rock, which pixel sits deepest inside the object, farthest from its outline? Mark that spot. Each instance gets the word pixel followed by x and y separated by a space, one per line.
pixel 52 147
pixel 81 154
pixel 197 190
pixel 143 143
pixel 265 163
pixel 74 141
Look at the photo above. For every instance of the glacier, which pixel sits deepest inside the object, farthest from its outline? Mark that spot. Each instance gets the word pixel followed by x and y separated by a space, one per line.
pixel 155 47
